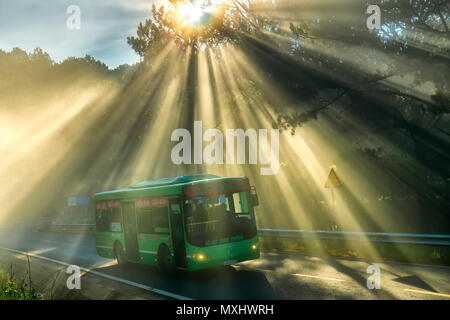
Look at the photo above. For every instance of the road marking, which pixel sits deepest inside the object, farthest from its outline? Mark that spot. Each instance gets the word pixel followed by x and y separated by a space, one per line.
pixel 42 251
pixel 304 275
pixel 104 275
pixel 317 277
pixel 429 292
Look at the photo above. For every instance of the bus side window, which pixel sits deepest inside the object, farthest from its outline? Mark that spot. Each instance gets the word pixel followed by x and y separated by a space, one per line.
pixel 145 220
pixel 160 220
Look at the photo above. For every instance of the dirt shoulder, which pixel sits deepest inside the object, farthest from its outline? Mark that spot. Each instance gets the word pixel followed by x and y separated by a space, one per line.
pixel 50 280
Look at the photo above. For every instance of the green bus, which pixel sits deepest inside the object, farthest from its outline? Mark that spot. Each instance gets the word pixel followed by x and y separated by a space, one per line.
pixel 187 222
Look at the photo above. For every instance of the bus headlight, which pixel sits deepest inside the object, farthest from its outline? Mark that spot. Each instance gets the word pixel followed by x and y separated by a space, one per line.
pixel 199 256
pixel 255 246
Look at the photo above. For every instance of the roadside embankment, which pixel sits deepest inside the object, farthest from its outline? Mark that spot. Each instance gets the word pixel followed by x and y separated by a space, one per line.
pixel 49 279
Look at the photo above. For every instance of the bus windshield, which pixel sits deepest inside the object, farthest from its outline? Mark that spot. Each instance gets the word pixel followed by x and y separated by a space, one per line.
pixel 219 218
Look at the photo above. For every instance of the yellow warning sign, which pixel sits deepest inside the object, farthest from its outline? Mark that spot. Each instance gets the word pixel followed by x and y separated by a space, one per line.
pixel 333 181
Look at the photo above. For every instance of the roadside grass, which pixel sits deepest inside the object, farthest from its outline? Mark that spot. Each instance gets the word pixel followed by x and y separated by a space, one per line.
pixel 12 288
pixel 436 255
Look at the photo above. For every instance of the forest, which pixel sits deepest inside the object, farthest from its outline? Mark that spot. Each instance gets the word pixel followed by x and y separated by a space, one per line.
pixel 372 104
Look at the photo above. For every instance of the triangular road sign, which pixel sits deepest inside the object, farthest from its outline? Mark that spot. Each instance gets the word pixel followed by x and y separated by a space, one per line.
pixel 333 181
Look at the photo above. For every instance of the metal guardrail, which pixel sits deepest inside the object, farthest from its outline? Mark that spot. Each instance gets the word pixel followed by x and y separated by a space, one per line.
pixel 73 225
pixel 406 238
pixel 82 227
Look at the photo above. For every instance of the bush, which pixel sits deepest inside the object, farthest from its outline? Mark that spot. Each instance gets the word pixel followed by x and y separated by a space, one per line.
pixel 13 289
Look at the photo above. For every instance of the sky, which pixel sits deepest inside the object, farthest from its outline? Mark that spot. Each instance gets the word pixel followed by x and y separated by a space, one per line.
pixel 105 25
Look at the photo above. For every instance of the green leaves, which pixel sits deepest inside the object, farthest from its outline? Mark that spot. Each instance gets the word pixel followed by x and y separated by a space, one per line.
pixel 294 120
pixel 17 290
pixel 224 25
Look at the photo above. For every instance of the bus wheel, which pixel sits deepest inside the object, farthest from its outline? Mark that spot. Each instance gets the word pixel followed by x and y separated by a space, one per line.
pixel 119 255
pixel 165 259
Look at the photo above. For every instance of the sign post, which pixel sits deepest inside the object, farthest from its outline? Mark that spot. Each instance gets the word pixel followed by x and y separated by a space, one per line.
pixel 333 182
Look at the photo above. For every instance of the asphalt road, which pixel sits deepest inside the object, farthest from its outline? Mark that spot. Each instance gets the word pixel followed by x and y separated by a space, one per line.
pixel 275 275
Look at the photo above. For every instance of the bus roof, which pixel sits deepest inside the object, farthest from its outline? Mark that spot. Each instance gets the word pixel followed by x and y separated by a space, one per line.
pixel 174 180
pixel 164 186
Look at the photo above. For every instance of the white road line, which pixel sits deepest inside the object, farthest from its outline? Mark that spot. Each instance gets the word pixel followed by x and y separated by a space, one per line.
pixel 104 275
pixel 429 292
pixel 316 277
pixel 302 275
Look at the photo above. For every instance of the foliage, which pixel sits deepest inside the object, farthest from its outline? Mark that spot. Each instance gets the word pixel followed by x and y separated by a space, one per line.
pixel 404 34
pixel 319 61
pixel 294 120
pixel 225 24
pixel 13 289
pixel 414 38
pixel 23 72
pixel 301 64
pixel 419 15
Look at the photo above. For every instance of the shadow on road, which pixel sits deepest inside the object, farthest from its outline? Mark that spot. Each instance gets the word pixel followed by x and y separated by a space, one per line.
pixel 218 283
pixel 358 278
pixel 415 281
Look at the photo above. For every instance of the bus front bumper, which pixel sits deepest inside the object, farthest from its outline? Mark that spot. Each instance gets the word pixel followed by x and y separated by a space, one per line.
pixel 222 255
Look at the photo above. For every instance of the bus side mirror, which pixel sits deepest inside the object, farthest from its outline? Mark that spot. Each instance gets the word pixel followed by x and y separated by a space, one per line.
pixel 254 196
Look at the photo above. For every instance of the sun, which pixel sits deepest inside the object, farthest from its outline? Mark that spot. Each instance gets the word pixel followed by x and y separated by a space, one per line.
pixel 191 11
pixel 196 12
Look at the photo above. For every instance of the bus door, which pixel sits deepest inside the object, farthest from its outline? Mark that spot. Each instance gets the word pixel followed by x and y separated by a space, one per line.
pixel 176 225
pixel 130 232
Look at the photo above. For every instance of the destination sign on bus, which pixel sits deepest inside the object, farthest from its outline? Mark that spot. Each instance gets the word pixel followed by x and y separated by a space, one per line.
pixel 113 203
pixel 102 205
pixel 214 188
pixel 151 202
pixel 110 204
